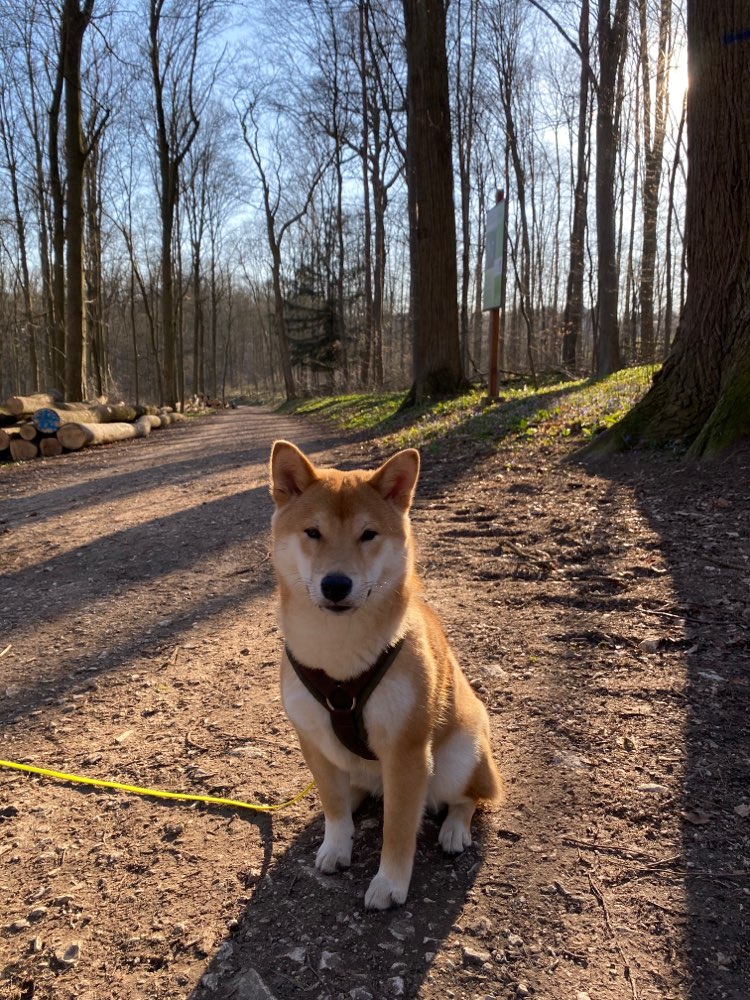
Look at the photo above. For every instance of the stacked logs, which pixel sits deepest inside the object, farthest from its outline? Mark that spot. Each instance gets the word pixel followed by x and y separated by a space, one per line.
pixel 44 425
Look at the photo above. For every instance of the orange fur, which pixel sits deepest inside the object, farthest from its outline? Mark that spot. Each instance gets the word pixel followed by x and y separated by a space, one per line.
pixel 426 726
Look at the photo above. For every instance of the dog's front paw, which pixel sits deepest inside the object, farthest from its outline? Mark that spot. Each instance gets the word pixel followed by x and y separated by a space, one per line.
pixel 336 850
pixel 385 892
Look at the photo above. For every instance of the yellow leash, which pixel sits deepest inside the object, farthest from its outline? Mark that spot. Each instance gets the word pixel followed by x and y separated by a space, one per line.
pixel 136 790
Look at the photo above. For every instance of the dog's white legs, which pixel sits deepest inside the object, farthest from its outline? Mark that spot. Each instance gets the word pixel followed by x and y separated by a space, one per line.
pixel 334 788
pixel 455 833
pixel 405 777
pixel 336 850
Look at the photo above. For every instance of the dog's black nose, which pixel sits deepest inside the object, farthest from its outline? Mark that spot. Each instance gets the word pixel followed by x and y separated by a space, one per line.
pixel 335 587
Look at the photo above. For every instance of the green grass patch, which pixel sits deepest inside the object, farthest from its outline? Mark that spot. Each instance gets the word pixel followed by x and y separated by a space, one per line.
pixel 550 413
pixel 353 412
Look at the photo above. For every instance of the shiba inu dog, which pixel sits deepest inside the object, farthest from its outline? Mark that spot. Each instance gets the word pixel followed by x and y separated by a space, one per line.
pixel 368 680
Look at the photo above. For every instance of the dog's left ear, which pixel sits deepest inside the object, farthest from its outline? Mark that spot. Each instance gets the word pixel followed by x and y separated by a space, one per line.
pixel 291 472
pixel 395 481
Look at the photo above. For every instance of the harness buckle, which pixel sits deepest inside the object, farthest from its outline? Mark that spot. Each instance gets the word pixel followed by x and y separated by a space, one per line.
pixel 341 700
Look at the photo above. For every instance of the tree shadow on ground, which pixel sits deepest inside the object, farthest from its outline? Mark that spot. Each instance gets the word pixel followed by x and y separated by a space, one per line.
pixel 701 514
pixel 305 933
pixel 211 553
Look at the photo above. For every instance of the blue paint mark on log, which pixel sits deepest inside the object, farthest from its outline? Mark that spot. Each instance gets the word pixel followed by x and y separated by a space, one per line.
pixel 46 420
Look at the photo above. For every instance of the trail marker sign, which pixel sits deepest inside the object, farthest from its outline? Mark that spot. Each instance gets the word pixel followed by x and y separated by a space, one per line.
pixel 494 257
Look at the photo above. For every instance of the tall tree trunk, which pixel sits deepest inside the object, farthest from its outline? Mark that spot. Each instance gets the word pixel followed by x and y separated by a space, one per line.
pixel 74 22
pixel 7 136
pixel 94 315
pixel 58 227
pixel 366 348
pixel 573 313
pixel 437 355
pixel 465 128
pixel 670 213
pixel 611 33
pixel 631 294
pixel 700 397
pixel 654 132
pixel 177 125
pixel 507 70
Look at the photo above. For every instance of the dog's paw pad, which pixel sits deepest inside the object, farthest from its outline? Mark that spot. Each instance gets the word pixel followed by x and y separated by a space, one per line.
pixel 384 893
pixel 455 835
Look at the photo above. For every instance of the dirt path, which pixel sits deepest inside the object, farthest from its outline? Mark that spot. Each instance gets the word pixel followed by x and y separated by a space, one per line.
pixel 604 617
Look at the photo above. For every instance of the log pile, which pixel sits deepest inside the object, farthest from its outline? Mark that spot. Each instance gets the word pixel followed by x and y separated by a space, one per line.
pixel 43 425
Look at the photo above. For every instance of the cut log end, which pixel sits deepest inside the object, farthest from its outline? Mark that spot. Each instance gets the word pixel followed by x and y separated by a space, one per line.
pixel 23 451
pixel 50 447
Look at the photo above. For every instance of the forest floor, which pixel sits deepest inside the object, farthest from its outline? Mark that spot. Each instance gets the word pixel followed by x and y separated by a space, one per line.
pixel 603 614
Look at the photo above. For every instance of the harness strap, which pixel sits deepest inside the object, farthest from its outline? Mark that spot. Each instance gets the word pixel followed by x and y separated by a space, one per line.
pixel 345 700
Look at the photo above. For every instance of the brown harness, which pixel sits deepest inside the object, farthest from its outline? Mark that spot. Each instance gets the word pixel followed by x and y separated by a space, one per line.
pixel 345 700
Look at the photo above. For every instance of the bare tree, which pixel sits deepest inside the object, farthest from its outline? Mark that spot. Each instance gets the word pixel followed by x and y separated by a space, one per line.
pixel 466 118
pixel 8 139
pixel 176 31
pixel 279 214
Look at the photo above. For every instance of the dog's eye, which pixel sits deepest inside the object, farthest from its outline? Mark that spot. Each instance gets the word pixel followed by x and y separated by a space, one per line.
pixel 312 533
pixel 367 535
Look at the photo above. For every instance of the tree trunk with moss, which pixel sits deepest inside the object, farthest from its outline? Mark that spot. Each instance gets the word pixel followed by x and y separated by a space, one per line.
pixel 700 400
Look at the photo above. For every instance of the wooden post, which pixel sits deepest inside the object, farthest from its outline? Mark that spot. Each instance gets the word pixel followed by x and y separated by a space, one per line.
pixel 494 351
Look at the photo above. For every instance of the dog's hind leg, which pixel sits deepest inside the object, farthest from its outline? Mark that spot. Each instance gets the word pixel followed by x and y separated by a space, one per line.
pixel 334 788
pixel 455 833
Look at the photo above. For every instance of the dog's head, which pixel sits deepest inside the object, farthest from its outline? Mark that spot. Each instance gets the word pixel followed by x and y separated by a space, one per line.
pixel 342 538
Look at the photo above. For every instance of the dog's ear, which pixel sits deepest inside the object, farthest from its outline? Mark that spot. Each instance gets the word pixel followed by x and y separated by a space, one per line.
pixel 395 481
pixel 291 472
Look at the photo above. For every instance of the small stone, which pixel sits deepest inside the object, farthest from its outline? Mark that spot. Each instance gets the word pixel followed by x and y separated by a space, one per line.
pixel 401 929
pixel 395 987
pixel 68 956
pixel 223 952
pixel 37 913
pixel 522 990
pixel 360 993
pixel 297 955
pixel 19 925
pixel 474 957
pixel 329 960
pixel 582 995
pixel 36 945
pixel 246 986
pixel 515 941
pixel 649 645
pixel 480 928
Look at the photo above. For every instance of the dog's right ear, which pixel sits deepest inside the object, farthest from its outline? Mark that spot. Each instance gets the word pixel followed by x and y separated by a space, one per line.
pixel 291 472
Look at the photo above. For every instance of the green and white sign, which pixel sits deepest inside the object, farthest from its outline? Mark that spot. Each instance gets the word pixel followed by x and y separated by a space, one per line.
pixel 493 257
